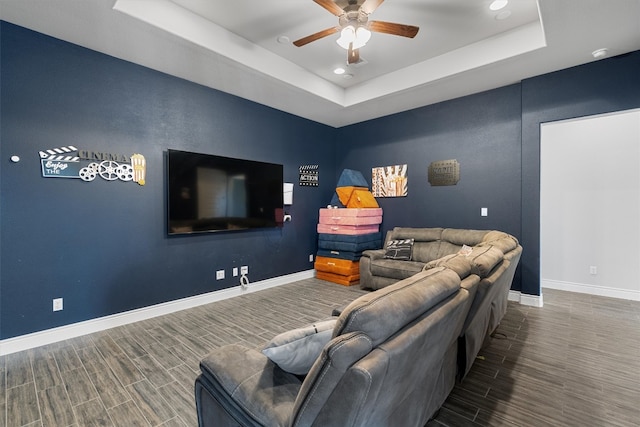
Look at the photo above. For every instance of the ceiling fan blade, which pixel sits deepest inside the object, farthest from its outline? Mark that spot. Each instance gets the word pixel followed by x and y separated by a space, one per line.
pixel 370 5
pixel 394 29
pixel 353 55
pixel 331 6
pixel 313 37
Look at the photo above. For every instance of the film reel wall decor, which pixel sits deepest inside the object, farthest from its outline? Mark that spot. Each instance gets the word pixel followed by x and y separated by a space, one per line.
pixel 69 162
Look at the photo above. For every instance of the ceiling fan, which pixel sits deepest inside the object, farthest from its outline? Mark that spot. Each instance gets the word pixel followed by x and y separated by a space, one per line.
pixel 355 27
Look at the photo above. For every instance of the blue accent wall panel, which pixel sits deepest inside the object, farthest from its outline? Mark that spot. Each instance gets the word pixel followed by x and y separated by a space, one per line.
pixel 102 245
pixel 482 132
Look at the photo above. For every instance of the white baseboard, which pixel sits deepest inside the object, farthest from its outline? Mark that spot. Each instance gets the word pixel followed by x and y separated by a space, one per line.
pixel 603 291
pixel 49 336
pixel 526 299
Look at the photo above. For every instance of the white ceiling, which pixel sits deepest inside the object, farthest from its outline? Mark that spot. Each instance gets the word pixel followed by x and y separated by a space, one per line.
pixel 232 45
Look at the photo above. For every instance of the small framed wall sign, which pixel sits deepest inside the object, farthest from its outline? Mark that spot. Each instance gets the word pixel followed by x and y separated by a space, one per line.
pixel 309 176
pixel 444 172
pixel 389 181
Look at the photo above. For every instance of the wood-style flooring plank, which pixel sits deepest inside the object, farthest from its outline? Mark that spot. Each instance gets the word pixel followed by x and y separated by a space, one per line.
pixel 55 407
pixel 79 386
pixel 22 405
pixel 127 414
pixel 92 414
pixel 153 406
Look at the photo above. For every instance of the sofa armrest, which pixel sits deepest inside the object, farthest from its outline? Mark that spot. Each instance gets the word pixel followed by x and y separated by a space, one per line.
pixel 374 254
pixel 248 386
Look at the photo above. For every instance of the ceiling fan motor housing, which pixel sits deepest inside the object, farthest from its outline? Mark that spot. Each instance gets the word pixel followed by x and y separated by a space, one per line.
pixel 356 19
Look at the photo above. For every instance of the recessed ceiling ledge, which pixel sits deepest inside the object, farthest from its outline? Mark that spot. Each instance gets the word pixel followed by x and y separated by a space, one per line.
pixel 519 41
pixel 195 29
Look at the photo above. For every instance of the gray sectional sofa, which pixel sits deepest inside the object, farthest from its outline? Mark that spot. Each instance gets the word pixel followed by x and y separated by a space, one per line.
pixel 492 255
pixel 390 361
pixel 390 358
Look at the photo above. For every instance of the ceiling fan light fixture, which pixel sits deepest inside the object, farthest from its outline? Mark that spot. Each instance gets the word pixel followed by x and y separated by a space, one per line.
pixel 358 36
pixel 362 37
pixel 347 36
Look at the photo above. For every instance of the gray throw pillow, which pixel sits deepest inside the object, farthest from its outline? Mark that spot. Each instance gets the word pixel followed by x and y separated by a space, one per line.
pixel 295 351
pixel 399 249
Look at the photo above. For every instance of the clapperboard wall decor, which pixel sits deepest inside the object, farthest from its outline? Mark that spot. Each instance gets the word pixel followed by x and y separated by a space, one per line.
pixel 60 162
pixel 309 175
pixel 67 162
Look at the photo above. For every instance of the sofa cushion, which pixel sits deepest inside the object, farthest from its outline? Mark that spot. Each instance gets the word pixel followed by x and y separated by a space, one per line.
pixel 503 241
pixel 459 237
pixel 418 234
pixel 382 313
pixel 351 177
pixel 485 259
pixel 395 269
pixel 459 263
pixel 399 249
pixel 336 358
pixel 362 198
pixel 344 193
pixel 252 382
pixel 295 351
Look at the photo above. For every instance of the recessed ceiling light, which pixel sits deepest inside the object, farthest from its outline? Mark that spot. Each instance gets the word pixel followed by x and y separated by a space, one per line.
pixel 339 71
pixel 600 53
pixel 283 39
pixel 347 76
pixel 498 4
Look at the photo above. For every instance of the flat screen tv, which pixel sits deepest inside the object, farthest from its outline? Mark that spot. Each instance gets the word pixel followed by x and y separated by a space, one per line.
pixel 209 193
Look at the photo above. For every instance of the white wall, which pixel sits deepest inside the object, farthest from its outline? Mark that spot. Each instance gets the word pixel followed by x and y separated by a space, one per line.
pixel 590 205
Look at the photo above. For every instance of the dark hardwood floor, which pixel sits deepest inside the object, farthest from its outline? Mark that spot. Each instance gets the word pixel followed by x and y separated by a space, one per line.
pixel 575 362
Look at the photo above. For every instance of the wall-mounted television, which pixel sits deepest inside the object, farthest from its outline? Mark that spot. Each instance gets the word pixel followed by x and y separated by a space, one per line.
pixel 209 193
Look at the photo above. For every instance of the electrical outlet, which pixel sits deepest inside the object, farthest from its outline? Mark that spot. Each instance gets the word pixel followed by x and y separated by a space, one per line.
pixel 484 212
pixel 311 258
pixel 235 271
pixel 219 274
pixel 593 270
pixel 57 304
pixel 244 270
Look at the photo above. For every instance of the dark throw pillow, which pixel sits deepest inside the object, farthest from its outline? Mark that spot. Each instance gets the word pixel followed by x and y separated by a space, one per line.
pixel 399 249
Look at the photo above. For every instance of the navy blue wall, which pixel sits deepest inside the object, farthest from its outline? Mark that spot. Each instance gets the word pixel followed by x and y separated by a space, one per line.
pixel 102 245
pixel 482 132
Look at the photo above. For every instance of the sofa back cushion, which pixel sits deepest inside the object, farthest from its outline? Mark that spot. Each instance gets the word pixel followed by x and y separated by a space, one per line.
pixel 416 320
pixel 382 313
pixel 426 242
pixel 417 234
pixel 434 243
pixel 336 357
pixel 503 241
pixel 459 237
pixel 481 261
pixel 459 263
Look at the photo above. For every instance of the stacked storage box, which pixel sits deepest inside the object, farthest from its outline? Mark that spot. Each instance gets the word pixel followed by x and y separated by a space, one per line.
pixel 343 233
